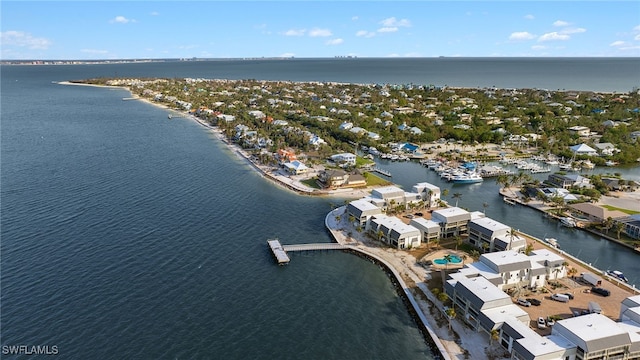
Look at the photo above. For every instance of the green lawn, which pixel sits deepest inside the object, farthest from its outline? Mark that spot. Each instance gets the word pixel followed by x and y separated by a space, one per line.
pixel 373 180
pixel 626 211
pixel 311 183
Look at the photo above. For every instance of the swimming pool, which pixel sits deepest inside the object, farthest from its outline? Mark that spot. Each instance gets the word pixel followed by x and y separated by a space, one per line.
pixel 455 259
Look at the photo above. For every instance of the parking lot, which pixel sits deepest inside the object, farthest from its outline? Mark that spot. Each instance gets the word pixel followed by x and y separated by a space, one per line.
pixel 610 305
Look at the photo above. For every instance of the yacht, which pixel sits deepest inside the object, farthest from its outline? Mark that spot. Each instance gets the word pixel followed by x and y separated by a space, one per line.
pixel 553 242
pixel 617 274
pixel 568 222
pixel 467 178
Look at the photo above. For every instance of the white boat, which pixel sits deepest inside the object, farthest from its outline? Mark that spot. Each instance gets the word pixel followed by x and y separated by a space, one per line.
pixel 509 200
pixel 618 275
pixel 468 178
pixel 553 242
pixel 611 163
pixel 568 222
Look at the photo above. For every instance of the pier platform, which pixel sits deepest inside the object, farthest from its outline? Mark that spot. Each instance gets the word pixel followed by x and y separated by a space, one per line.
pixel 280 254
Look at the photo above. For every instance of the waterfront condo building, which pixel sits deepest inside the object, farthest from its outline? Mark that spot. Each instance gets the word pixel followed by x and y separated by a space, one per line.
pixel 453 221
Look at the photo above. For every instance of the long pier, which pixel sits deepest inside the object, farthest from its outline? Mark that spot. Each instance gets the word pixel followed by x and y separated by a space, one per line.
pixel 280 251
pixel 316 246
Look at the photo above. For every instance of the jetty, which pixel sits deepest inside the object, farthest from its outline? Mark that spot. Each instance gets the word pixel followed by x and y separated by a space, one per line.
pixel 278 251
pixel 383 172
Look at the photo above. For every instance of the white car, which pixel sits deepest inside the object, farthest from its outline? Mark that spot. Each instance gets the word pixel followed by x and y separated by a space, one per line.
pixel 523 302
pixel 541 323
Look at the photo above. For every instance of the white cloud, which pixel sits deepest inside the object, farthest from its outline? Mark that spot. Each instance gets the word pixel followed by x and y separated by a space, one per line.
pixel 553 36
pixel 295 32
pixel 637 28
pixel 320 32
pixel 387 29
pixel 334 42
pixel 365 33
pixel 538 47
pixel 637 37
pixel 393 22
pixel 121 20
pixel 354 18
pixel 23 39
pixel 521 35
pixel 560 23
pixel 529 17
pixel 155 13
pixel 618 43
pixel 573 31
pixel 288 55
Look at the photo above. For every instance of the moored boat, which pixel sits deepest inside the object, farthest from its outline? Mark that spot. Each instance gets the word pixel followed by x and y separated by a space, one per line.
pixel 618 275
pixel 568 222
pixel 468 178
pixel 553 242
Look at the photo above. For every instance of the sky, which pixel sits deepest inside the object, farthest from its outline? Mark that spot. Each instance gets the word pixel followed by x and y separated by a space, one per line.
pixel 92 30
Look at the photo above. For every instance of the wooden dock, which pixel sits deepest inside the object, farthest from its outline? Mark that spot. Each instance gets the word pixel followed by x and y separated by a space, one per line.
pixel 280 254
pixel 383 172
pixel 316 246
pixel 280 251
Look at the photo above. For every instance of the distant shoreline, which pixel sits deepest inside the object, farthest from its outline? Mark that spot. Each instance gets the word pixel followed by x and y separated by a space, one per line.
pixel 291 185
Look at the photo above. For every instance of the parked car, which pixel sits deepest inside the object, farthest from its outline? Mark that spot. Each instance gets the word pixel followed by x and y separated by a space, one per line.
pixel 541 323
pixel 569 295
pixel 534 302
pixel 560 297
pixel 600 291
pixel 523 302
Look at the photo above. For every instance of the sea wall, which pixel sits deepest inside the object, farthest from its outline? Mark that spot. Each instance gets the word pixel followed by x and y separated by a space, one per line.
pixel 401 287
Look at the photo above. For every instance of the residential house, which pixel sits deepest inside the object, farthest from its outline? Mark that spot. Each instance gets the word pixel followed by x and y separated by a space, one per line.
pixel 568 181
pixel 344 159
pixel 296 167
pixel 595 213
pixel 583 149
pixel 391 196
pixel 606 149
pixel 631 225
pixel 634 136
pixel 580 130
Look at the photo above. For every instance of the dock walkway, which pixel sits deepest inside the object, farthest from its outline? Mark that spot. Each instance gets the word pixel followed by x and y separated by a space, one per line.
pixel 278 252
pixel 316 246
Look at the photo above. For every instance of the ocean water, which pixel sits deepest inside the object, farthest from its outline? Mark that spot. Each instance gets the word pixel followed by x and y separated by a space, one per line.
pixel 126 235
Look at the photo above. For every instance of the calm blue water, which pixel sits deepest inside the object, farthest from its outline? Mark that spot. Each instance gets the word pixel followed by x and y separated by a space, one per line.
pixel 124 235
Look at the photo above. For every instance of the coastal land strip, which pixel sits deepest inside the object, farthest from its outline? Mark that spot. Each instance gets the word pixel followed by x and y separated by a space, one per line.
pixel 449 340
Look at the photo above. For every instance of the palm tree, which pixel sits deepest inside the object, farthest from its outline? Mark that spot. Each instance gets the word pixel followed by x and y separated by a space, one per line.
pixel 619 227
pixel 528 249
pixel 447 258
pixel 445 192
pixel 458 241
pixel 456 196
pixel 379 234
pixel 495 335
pixel 608 224
pixel 464 258
pixel 451 314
